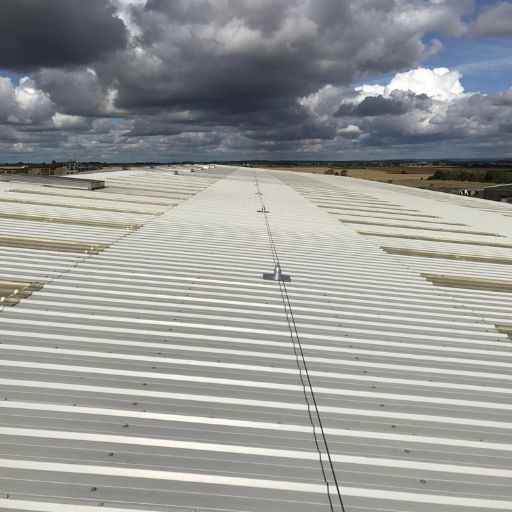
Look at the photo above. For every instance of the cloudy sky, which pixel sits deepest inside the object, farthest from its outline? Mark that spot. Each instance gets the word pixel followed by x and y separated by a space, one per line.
pixel 123 80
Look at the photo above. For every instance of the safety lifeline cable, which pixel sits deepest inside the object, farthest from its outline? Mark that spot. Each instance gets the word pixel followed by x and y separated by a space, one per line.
pixel 303 369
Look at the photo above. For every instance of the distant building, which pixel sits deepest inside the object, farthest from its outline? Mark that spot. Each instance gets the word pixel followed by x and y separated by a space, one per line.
pixel 13 169
pixel 74 166
pixel 501 193
pixel 47 170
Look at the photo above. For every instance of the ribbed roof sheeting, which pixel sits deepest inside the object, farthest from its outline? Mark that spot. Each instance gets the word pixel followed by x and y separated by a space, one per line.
pixel 161 375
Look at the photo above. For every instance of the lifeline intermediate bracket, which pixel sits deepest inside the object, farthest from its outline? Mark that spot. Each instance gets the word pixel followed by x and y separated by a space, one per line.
pixel 277 275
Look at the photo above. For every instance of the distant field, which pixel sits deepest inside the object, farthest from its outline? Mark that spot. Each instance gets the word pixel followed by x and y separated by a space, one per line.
pixel 403 175
pixel 443 185
pixel 313 169
pixel 407 176
pixel 370 173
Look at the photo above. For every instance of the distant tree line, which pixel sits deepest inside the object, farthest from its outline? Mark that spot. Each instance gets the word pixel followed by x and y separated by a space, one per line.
pixel 53 164
pixel 481 175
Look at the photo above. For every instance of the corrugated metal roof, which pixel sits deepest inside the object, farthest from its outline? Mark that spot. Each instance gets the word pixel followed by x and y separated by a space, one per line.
pixel 164 374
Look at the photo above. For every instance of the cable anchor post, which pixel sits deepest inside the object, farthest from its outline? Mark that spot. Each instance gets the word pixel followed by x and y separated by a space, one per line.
pixel 277 275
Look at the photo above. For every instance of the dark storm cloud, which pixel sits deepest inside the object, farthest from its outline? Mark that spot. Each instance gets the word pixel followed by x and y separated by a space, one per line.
pixel 57 33
pixel 245 65
pixel 305 131
pixel 244 56
pixel 398 103
pixel 76 92
pixel 379 106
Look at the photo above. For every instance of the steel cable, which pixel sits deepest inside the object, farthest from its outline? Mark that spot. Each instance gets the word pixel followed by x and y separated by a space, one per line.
pixel 303 369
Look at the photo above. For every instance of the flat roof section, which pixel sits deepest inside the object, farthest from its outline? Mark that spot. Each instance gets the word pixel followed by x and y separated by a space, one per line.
pixel 55 181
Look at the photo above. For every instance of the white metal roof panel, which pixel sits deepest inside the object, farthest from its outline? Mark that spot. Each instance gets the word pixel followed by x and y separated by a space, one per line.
pixel 162 374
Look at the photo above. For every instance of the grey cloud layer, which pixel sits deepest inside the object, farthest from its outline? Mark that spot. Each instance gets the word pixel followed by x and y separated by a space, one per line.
pixel 495 20
pixel 225 78
pixel 232 56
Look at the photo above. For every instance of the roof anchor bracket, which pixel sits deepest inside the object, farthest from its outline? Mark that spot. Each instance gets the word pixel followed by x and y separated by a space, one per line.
pixel 277 275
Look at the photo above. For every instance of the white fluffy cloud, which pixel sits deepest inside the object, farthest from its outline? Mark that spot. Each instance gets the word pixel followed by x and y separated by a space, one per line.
pixel 67 122
pixel 33 103
pixel 438 83
pixel 24 103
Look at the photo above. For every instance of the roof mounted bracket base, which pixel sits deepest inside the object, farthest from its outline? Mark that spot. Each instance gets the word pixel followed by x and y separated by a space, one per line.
pixel 277 275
